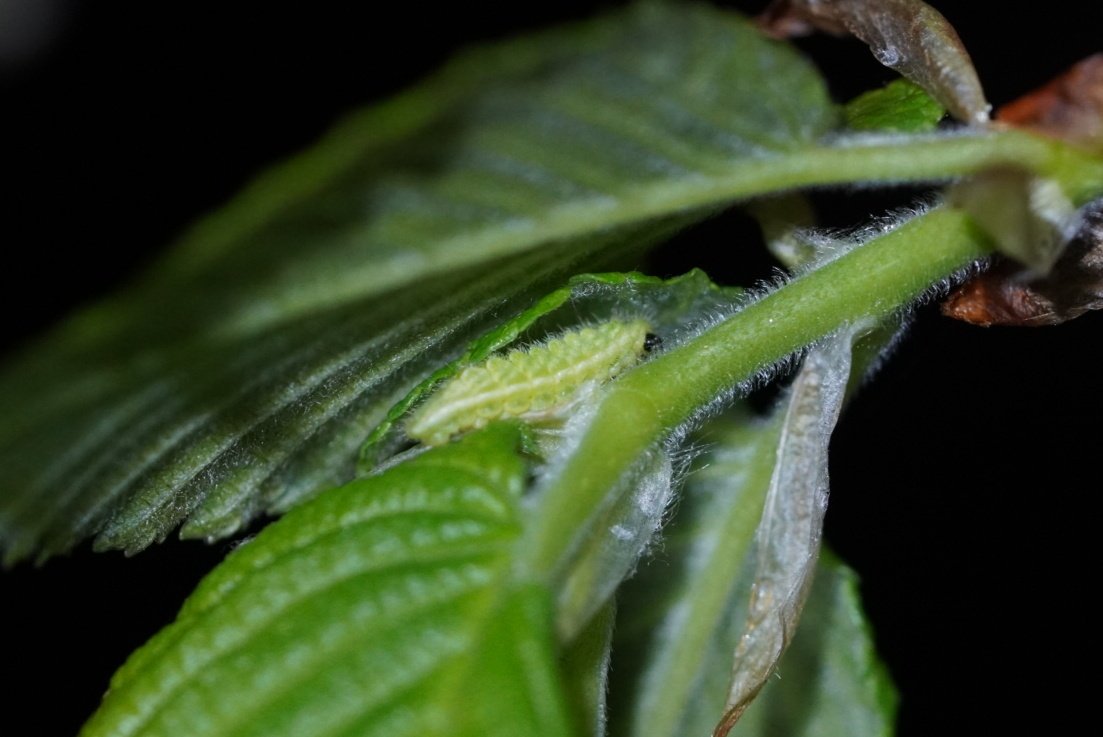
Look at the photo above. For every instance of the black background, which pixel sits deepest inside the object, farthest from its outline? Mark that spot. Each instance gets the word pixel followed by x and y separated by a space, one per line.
pixel 963 491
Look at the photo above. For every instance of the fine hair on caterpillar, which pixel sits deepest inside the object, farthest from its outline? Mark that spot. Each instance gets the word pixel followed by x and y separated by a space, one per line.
pixel 535 384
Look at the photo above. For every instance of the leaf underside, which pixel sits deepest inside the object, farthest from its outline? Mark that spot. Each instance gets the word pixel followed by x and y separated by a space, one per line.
pixel 241 374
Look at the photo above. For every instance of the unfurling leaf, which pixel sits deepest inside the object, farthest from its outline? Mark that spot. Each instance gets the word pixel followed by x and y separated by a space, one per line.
pixel 679 620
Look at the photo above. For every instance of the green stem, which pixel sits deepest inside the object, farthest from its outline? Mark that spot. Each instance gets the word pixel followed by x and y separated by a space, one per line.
pixel 648 404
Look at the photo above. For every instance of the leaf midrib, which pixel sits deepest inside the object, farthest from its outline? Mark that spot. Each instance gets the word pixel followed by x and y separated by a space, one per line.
pixel 930 158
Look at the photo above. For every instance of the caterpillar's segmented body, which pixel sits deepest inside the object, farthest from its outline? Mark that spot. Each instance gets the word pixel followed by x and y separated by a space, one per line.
pixel 529 384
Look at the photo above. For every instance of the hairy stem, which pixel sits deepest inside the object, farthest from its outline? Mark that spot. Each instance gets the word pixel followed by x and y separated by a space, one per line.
pixel 649 404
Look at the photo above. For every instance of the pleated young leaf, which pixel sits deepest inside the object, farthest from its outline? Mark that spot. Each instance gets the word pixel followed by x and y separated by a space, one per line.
pixel 377 608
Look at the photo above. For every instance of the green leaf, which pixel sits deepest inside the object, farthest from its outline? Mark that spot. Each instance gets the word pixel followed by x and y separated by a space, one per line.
pixel 240 375
pixel 901 106
pixel 377 608
pixel 218 433
pixel 510 682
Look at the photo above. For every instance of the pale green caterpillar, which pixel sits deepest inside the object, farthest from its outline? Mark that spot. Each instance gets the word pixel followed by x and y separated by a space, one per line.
pixel 533 384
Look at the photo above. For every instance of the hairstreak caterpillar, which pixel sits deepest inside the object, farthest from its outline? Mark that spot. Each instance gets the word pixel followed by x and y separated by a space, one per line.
pixel 534 383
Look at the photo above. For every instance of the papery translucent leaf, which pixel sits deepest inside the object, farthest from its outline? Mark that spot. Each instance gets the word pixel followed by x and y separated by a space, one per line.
pixel 830 681
pixel 906 35
pixel 788 537
pixel 732 578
